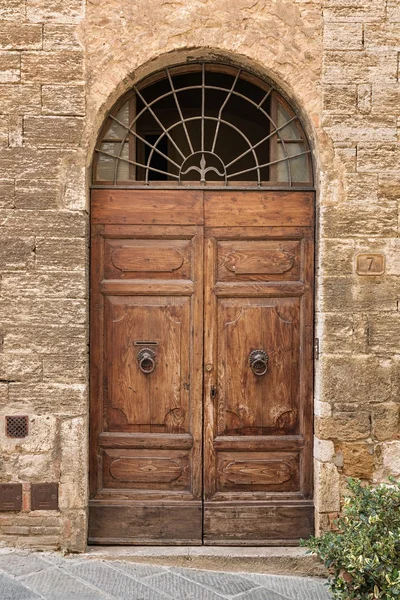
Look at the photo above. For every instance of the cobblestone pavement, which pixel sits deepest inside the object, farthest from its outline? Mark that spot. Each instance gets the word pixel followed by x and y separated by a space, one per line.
pixel 33 576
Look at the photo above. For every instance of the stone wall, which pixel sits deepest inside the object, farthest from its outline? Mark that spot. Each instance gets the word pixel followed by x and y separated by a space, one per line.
pixel 62 66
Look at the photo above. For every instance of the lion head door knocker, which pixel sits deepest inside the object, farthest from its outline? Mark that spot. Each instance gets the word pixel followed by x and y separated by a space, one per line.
pixel 258 361
pixel 146 359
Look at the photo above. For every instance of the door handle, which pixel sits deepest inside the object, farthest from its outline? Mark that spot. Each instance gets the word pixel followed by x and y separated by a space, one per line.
pixel 146 360
pixel 258 361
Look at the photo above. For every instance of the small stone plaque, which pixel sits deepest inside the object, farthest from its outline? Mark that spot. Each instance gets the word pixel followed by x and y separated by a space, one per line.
pixel 11 496
pixel 44 496
pixel 370 264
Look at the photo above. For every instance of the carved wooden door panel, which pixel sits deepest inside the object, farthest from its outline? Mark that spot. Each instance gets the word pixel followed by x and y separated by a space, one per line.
pixel 146 357
pixel 258 367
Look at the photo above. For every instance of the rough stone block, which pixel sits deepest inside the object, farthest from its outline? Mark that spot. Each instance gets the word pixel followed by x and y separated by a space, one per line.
pixel 356 379
pixel 10 67
pixel 389 459
pixel 52 67
pixel 386 99
pixel 74 464
pixel 383 36
pixel 360 67
pixel 358 460
pixel 393 10
pixel 355 10
pixel 12 10
pixel 65 369
pixel 63 99
pixel 364 98
pixel 340 99
pixel 25 367
pixel 344 426
pixel 37 194
pixel 29 163
pixel 51 285
pixel 57 11
pixel 336 333
pixel 356 219
pixel 75 184
pixel 58 254
pixel 16 252
pixel 36 311
pixel 15 131
pixel 357 294
pixel 47 339
pixel 347 153
pixel 4 131
pixel 375 158
pixel 44 223
pixel 74 537
pixel 52 132
pixel 7 191
pixel 361 128
pixel 327 496
pixel 386 421
pixel 324 450
pixel 21 99
pixel 3 394
pixel 343 36
pixel 58 36
pixel 361 187
pixel 337 257
pixel 384 333
pixel 20 36
pixel 46 398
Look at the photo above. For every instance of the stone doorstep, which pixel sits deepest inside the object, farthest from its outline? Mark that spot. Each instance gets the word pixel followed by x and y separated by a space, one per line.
pixel 267 560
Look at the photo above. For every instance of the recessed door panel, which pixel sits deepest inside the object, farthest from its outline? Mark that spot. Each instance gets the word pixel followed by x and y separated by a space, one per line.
pixel 248 402
pixel 139 400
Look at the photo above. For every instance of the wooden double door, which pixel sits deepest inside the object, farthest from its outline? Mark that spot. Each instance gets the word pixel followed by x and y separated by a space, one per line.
pixel 201 367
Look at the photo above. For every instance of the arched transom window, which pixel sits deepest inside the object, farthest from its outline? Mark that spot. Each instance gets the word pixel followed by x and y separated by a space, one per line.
pixel 203 124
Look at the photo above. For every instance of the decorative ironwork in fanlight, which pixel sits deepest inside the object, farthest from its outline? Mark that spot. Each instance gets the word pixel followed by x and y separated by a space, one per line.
pixel 203 124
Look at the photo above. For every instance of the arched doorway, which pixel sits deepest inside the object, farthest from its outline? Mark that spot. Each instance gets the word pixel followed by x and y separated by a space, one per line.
pixel 201 314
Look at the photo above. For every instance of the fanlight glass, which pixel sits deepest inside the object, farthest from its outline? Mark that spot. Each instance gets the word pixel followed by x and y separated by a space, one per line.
pixel 203 124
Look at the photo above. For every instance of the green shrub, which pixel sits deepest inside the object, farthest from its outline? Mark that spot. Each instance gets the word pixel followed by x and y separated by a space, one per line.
pixel 363 555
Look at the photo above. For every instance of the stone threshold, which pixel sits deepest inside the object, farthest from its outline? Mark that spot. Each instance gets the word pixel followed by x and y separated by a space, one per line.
pixel 283 560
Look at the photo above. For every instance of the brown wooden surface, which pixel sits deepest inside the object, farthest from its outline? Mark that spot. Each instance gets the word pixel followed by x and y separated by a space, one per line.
pixel 147 430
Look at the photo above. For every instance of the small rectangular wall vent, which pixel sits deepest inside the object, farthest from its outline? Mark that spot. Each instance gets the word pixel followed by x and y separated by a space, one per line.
pixel 44 496
pixel 10 496
pixel 16 426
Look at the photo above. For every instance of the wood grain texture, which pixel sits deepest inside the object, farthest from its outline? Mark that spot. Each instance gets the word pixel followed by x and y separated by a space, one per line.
pixel 251 524
pixel 258 209
pixel 258 295
pixel 146 429
pixel 147 207
pixel 139 524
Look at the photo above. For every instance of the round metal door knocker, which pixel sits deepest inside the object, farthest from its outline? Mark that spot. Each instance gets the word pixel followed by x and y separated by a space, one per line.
pixel 258 361
pixel 146 359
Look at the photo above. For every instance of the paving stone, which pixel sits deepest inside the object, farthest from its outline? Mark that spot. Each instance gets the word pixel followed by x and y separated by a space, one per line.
pixel 19 565
pixel 114 582
pixel 181 589
pixel 14 590
pixel 262 593
pixel 135 570
pixel 54 584
pixel 294 588
pixel 224 583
